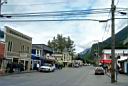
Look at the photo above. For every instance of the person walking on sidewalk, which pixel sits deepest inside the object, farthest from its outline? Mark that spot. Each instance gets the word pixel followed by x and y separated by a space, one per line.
pixel 38 66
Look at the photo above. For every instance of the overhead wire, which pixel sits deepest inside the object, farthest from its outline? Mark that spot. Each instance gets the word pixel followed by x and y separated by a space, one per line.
pixel 105 29
pixel 117 2
pixel 60 13
pixel 39 20
pixel 24 4
pixel 36 20
pixel 103 9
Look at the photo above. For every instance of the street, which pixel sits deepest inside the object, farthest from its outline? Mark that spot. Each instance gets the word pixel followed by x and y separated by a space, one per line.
pixel 83 76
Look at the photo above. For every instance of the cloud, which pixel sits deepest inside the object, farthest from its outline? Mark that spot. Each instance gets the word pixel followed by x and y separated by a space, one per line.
pixel 82 32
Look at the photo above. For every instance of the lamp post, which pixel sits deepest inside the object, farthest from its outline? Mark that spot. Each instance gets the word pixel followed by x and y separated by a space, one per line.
pixel 1 3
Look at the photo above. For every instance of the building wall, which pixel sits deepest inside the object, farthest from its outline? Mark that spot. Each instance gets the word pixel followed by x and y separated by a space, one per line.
pixel 120 52
pixel 67 57
pixel 58 57
pixel 2 50
pixel 18 46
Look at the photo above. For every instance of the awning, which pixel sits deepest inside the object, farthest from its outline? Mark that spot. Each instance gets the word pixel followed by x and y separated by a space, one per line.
pixel 123 58
pixel 34 57
pixel 106 61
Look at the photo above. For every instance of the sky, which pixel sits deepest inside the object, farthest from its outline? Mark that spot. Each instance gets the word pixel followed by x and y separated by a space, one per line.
pixel 83 33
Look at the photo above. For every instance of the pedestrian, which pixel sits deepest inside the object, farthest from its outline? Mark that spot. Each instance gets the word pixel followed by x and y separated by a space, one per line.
pixel 37 66
pixel 11 68
pixel 8 67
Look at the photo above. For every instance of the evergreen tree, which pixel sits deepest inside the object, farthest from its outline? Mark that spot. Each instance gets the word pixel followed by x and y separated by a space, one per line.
pixel 59 43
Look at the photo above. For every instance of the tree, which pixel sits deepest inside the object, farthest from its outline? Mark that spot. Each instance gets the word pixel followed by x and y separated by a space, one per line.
pixel 59 43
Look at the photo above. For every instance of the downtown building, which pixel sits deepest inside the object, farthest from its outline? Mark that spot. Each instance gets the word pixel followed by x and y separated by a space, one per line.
pixel 41 54
pixel 17 48
pixel 63 58
pixel 121 57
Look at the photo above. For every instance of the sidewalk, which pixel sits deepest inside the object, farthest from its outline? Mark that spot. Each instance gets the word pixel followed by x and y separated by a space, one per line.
pixel 6 74
pixel 121 78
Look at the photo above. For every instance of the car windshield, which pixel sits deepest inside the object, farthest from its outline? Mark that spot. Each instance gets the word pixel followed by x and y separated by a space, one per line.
pixel 47 64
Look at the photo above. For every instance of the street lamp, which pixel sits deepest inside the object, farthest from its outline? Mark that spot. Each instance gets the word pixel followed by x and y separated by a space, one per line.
pixel 1 3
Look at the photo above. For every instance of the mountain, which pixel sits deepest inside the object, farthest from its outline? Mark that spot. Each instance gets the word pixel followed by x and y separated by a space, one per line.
pixel 122 35
pixel 83 53
pixel 119 39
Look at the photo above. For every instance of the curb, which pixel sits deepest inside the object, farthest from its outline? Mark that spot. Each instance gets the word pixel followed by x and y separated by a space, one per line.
pixel 6 74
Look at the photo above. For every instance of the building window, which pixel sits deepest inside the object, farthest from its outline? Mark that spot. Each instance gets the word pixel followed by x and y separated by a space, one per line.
pixel 64 57
pixel 1 34
pixel 27 49
pixel 38 52
pixel 10 44
pixel 22 48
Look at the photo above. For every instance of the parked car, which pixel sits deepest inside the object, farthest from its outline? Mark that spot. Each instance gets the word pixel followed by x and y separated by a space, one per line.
pixel 99 71
pixel 86 64
pixel 76 65
pixel 47 67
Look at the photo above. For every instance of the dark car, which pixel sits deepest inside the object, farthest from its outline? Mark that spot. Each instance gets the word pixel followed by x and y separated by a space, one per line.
pixel 99 71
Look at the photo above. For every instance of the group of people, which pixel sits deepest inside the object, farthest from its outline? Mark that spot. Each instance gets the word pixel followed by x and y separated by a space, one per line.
pixel 108 68
pixel 13 66
pixel 58 66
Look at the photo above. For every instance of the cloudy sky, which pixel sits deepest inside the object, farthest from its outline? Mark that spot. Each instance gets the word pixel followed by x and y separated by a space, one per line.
pixel 84 33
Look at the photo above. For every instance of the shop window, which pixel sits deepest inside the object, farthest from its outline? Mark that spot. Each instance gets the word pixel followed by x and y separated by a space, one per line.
pixel 22 48
pixel 27 49
pixel 10 45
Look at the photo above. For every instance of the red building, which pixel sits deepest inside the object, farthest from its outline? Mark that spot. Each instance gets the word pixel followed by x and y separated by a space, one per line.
pixel 2 50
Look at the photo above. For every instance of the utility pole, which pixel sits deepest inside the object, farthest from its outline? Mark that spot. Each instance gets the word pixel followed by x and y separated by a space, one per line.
pixel 113 71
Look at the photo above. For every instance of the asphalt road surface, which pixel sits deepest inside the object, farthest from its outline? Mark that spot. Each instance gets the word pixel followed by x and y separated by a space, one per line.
pixel 83 76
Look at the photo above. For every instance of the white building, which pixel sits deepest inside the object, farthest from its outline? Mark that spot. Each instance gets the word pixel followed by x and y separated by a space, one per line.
pixel 118 52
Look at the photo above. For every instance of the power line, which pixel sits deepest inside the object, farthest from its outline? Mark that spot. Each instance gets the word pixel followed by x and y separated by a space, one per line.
pixel 103 9
pixel 106 26
pixel 24 4
pixel 61 13
pixel 39 20
pixel 48 20
pixel 117 2
pixel 71 13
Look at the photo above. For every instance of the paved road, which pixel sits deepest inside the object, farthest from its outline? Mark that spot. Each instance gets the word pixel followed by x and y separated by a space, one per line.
pixel 83 76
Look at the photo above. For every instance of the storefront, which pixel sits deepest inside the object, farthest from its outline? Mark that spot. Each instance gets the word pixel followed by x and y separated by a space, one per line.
pixel 123 66
pixel 106 61
pixel 2 50
pixel 35 60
